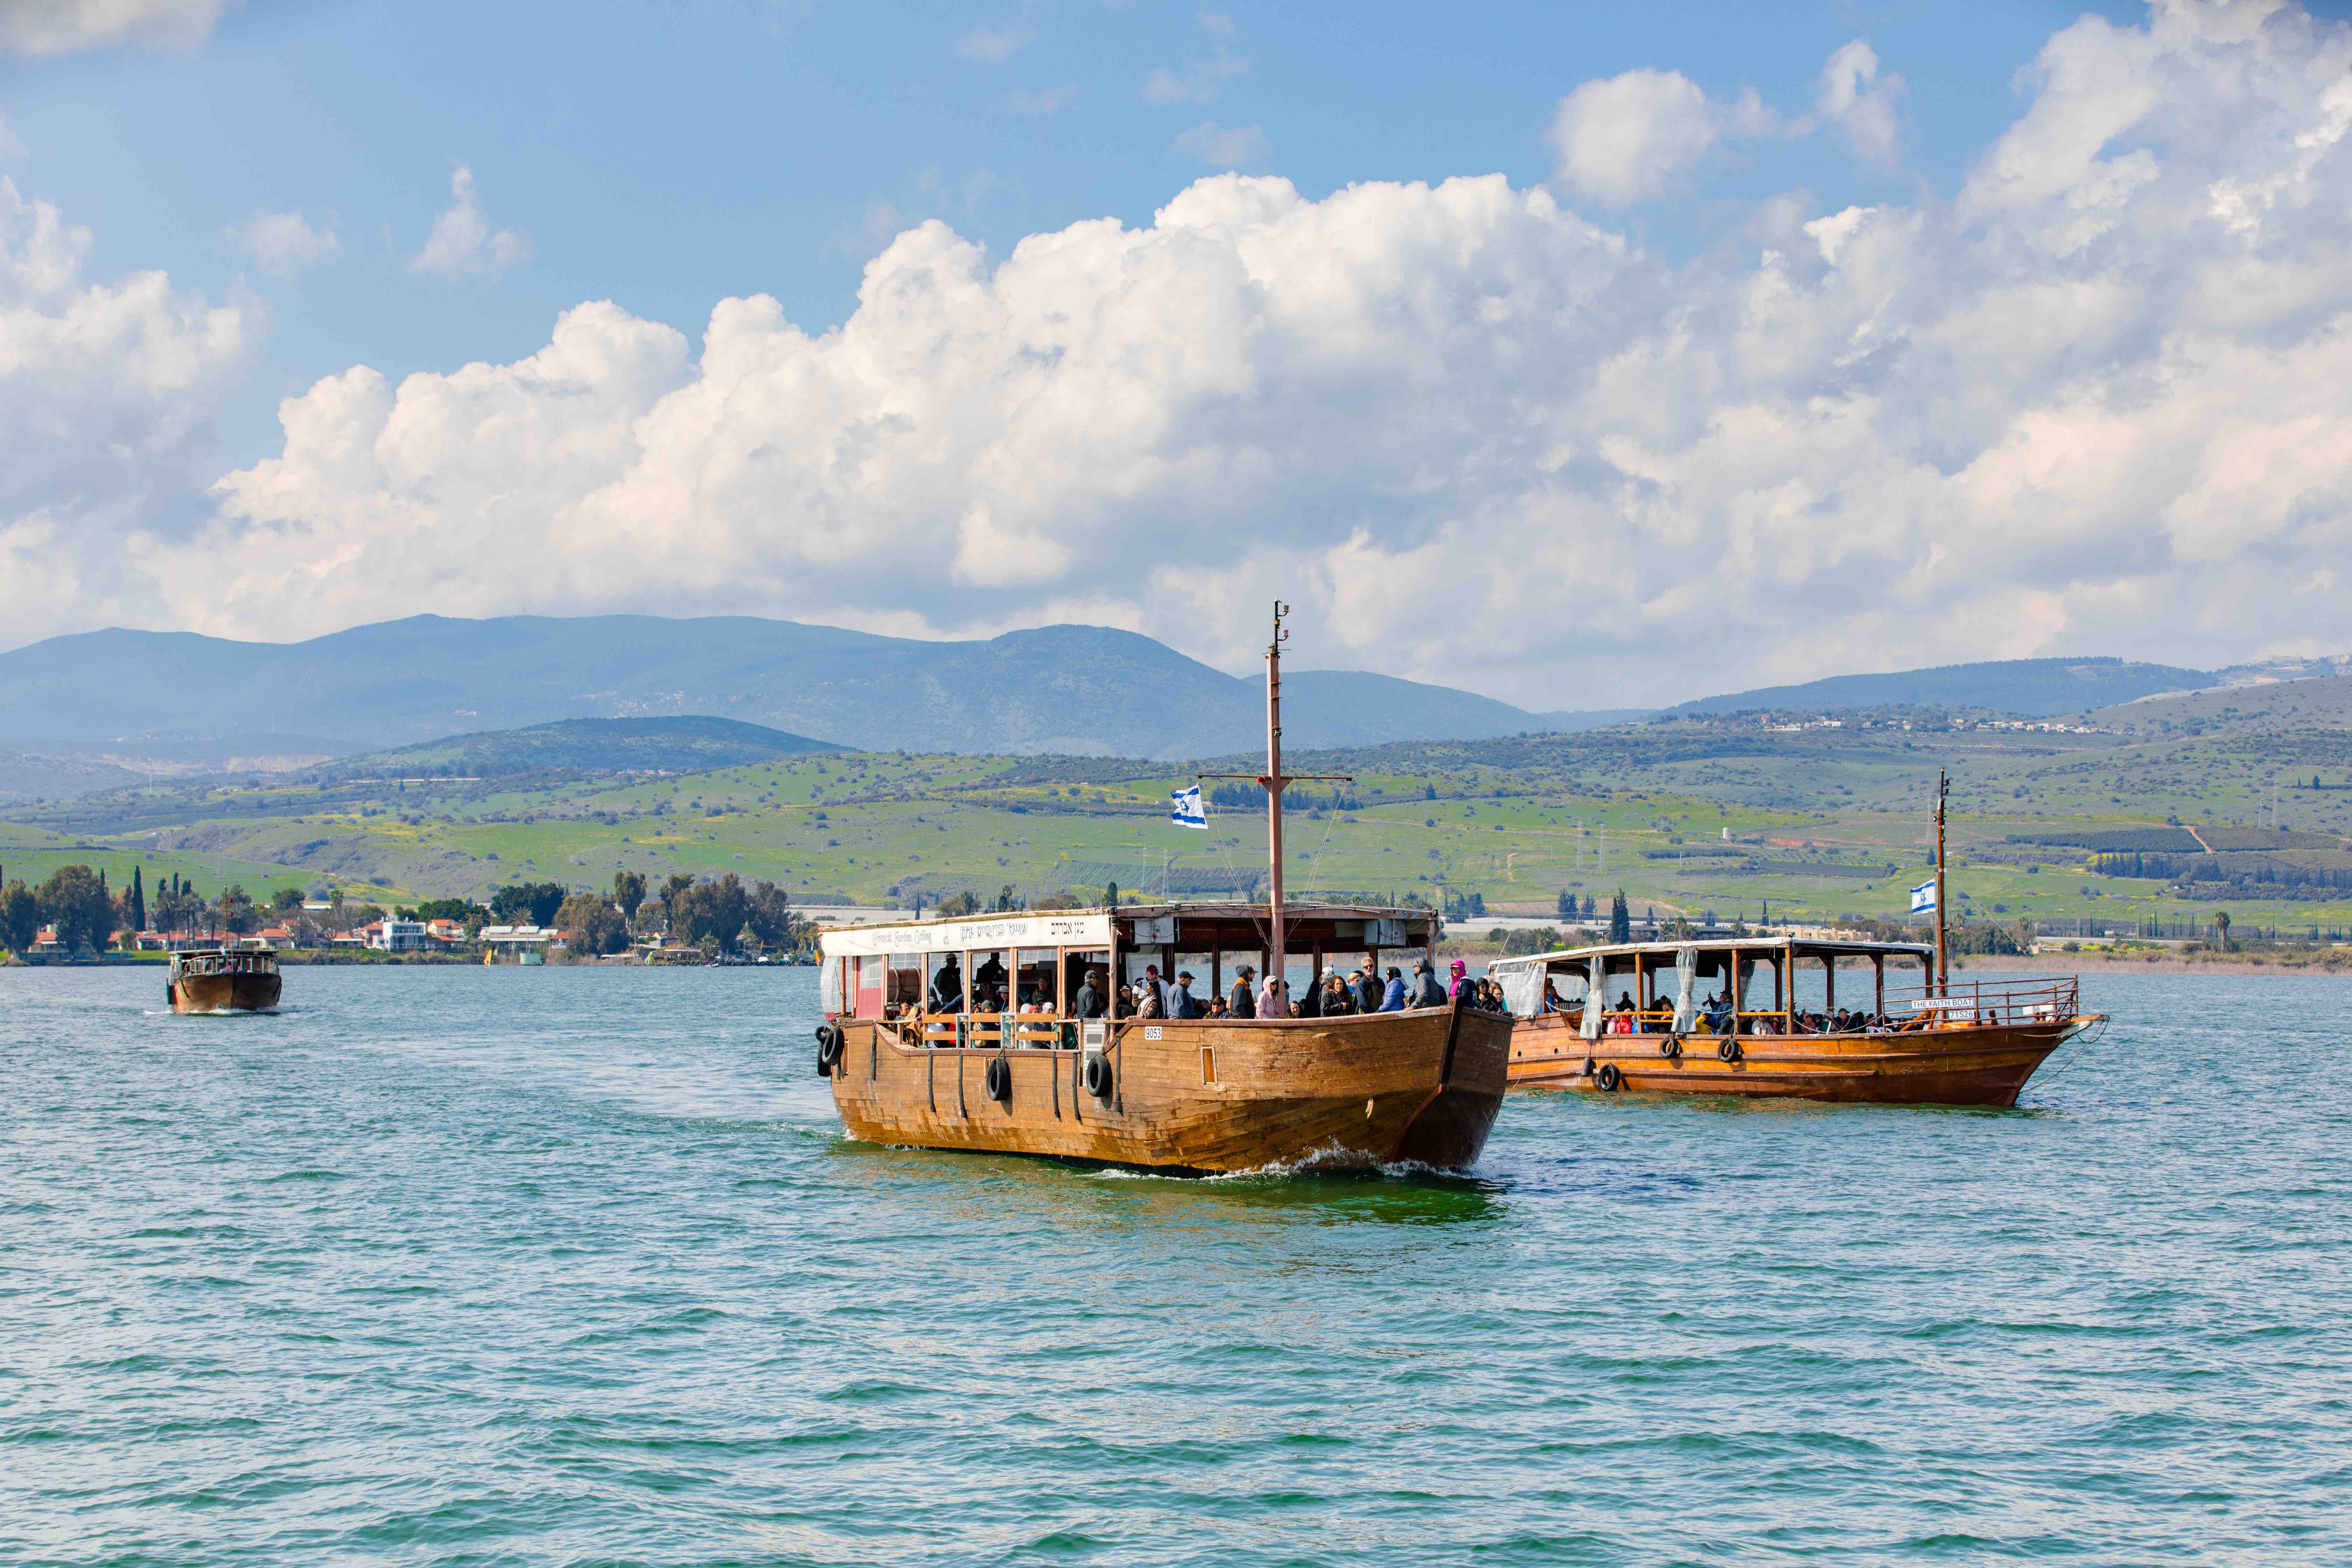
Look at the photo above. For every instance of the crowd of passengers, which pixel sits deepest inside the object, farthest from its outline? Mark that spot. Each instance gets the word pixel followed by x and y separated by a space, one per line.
pixel 1365 989
pixel 1715 1017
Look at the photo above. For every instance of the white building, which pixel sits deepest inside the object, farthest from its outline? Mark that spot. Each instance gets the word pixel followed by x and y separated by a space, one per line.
pixel 399 936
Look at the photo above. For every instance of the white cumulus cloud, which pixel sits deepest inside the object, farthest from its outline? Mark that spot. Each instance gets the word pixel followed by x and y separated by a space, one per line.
pixel 288 243
pixel 1860 102
pixel 1623 140
pixel 106 388
pixel 463 243
pixel 62 27
pixel 1204 77
pixel 2099 400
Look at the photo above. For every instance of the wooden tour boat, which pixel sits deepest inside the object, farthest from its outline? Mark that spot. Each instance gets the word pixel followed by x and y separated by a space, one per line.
pixel 1627 1016
pixel 972 1033
pixel 223 980
pixel 1916 1042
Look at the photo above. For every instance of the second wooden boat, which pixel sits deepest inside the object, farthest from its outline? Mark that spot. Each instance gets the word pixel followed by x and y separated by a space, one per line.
pixel 1634 1015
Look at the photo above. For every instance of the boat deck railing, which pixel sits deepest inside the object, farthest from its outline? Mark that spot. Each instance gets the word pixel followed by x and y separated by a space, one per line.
pixel 1981 1004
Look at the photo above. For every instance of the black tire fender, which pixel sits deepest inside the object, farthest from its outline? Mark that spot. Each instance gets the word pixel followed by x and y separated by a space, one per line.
pixel 1095 1076
pixel 1728 1050
pixel 999 1080
pixel 830 1043
pixel 1609 1078
pixel 1671 1048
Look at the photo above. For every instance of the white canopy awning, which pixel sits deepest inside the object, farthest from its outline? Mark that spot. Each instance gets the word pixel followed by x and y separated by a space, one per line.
pixel 1073 927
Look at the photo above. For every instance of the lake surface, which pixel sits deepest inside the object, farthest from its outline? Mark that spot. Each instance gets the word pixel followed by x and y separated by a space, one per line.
pixel 575 1266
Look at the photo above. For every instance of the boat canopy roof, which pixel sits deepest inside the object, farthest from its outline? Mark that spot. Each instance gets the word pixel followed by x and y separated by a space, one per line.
pixel 1744 946
pixel 1189 927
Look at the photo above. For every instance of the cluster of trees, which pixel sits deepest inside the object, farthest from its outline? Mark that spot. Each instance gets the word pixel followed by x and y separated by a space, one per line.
pixel 1569 911
pixel 1465 906
pixel 724 914
pixel 2272 878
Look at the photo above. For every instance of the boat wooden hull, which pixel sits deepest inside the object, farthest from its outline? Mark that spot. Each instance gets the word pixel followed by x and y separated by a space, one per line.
pixel 1970 1065
pixel 1199 1096
pixel 223 992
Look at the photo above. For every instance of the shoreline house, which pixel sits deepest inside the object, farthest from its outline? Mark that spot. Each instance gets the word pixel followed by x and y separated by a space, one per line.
pixel 392 934
pixel 515 941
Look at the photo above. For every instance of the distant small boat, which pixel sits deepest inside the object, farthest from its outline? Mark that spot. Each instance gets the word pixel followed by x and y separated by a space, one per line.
pixel 223 980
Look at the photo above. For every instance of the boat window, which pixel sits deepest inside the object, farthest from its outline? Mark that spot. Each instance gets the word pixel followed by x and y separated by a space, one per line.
pixel 992 981
pixel 1033 983
pixel 943 982
pixel 905 983
pixel 868 1003
pixel 1204 974
pixel 1075 965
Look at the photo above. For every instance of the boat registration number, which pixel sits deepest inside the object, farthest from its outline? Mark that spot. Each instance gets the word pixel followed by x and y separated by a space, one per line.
pixel 1151 1031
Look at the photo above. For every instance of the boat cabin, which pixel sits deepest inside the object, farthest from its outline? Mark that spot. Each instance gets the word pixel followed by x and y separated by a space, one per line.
pixel 982 980
pixel 197 962
pixel 1773 985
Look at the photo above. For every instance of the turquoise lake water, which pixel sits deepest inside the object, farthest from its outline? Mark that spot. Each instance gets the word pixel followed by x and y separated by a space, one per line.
pixel 575 1266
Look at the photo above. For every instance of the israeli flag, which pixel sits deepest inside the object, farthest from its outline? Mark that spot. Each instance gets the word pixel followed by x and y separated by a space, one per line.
pixel 1923 897
pixel 1185 810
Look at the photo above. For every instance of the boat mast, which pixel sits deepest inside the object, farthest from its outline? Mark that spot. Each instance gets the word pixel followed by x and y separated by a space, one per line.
pixel 1278 959
pixel 1943 789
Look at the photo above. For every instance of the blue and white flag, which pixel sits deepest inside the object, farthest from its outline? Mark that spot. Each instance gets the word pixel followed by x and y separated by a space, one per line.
pixel 1185 810
pixel 1923 897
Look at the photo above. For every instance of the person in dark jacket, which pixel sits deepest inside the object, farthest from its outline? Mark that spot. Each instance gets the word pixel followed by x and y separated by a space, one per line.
pixel 1368 989
pixel 1242 1002
pixel 1180 1003
pixel 1338 1002
pixel 1427 992
pixel 1089 1002
pixel 1309 1002
pixel 947 988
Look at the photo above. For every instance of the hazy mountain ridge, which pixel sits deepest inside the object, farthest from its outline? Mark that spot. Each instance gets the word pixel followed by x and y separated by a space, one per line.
pixel 1070 690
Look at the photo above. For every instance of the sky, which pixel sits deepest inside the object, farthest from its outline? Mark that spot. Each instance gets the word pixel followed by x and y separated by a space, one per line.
pixel 1583 356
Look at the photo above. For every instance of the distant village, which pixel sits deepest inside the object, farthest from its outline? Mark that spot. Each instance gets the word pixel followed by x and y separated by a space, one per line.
pixel 74 916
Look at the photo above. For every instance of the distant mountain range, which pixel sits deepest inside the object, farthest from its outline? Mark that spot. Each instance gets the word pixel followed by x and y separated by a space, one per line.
pixel 2039 687
pixel 158 697
pixel 1082 689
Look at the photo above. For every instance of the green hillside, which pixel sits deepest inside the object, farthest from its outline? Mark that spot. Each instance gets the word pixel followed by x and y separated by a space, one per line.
pixel 692 743
pixel 1691 814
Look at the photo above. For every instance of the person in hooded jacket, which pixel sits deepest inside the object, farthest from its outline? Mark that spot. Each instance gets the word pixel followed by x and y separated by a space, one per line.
pixel 1243 1004
pixel 1392 997
pixel 1273 997
pixel 1461 979
pixel 1427 990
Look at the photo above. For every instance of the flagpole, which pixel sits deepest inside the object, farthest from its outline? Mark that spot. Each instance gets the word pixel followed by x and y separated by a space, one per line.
pixel 1943 980
pixel 1278 959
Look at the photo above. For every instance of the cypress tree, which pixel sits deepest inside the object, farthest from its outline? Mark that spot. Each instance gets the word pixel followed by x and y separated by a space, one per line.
pixel 138 900
pixel 1621 919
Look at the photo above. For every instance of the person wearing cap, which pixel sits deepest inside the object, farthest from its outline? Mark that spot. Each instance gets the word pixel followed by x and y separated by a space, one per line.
pixel 1089 1002
pixel 1426 991
pixel 1393 998
pixel 1180 1003
pixel 1242 1002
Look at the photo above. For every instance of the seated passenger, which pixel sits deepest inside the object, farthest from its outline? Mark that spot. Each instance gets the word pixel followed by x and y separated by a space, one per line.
pixel 1217 1009
pixel 1392 995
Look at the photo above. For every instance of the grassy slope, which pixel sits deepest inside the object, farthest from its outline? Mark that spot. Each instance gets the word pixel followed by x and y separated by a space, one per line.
pixel 1580 812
